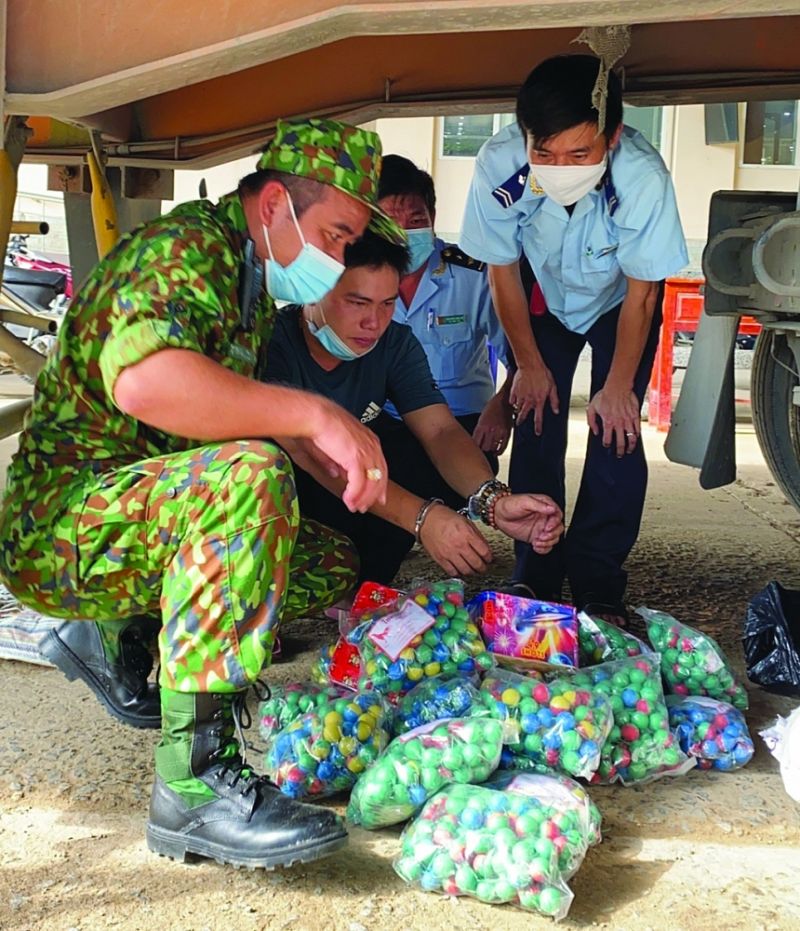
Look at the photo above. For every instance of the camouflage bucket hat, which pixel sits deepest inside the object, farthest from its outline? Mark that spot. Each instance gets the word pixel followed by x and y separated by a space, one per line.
pixel 333 153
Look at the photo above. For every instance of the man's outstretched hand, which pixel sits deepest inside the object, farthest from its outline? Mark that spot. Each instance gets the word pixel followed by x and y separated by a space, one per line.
pixel 345 448
pixel 534 519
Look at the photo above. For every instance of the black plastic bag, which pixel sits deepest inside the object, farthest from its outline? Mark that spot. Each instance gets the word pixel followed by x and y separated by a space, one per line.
pixel 772 639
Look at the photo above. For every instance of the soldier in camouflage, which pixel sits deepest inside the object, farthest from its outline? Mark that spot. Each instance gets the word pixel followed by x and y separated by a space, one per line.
pixel 154 477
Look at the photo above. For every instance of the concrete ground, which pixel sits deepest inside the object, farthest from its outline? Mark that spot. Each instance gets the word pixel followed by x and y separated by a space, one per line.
pixel 703 851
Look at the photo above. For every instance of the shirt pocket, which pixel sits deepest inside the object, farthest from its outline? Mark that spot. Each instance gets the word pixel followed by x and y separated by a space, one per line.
pixel 601 260
pixel 456 349
pixel 599 268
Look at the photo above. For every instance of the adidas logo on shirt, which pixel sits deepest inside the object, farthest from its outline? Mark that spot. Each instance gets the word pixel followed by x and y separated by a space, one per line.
pixel 371 412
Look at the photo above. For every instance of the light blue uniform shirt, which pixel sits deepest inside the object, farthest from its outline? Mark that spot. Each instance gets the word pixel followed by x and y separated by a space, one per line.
pixel 627 228
pixel 452 315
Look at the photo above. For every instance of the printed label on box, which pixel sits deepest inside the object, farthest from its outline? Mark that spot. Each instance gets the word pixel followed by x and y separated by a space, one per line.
pixel 393 633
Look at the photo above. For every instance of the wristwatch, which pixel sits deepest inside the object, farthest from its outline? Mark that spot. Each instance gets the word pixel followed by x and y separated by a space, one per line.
pixel 480 504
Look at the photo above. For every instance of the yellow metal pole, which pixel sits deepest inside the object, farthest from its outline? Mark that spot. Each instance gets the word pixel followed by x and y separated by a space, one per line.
pixel 104 213
pixel 15 135
pixel 8 195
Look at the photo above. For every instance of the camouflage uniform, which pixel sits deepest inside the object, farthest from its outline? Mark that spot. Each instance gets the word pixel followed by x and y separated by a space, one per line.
pixel 105 517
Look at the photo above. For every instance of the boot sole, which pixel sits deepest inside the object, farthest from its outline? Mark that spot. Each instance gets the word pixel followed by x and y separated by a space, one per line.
pixel 53 648
pixel 177 846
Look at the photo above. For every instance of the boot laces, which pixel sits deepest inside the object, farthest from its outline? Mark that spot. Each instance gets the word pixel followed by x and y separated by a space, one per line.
pixel 137 656
pixel 233 754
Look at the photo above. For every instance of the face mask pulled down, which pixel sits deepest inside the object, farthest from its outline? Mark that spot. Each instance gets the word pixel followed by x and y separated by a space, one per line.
pixel 307 278
pixel 330 340
pixel 566 184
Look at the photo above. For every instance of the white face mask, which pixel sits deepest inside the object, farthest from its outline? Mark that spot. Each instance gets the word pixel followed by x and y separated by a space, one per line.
pixel 566 184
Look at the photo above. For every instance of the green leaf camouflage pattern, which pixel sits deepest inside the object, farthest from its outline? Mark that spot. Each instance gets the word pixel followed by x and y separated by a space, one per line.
pixel 105 517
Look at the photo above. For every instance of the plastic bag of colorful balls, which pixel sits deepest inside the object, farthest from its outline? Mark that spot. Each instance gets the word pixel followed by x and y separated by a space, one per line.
pixel 711 731
pixel 320 739
pixel 562 723
pixel 640 746
pixel 421 635
pixel 437 698
pixel 419 763
pixel 692 663
pixel 601 642
pixel 499 845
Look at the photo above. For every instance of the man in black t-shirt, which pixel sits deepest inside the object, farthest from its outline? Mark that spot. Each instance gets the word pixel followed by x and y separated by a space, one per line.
pixel 348 349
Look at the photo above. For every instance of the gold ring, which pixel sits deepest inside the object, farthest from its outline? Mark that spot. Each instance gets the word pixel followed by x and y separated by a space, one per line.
pixel 374 475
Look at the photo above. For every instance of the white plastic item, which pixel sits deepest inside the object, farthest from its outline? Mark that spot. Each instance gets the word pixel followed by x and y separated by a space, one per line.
pixel 783 742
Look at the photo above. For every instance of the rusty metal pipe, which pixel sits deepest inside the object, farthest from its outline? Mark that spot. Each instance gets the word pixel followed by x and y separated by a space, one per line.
pixel 29 228
pixel 26 359
pixel 12 417
pixel 20 318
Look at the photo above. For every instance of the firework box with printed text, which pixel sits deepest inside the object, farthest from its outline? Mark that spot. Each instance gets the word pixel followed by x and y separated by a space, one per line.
pixel 524 634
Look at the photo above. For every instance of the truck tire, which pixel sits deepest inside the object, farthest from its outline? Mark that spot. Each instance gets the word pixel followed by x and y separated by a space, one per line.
pixel 775 417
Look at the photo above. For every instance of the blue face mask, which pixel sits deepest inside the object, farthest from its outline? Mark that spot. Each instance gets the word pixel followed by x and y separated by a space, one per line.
pixel 330 340
pixel 307 278
pixel 420 246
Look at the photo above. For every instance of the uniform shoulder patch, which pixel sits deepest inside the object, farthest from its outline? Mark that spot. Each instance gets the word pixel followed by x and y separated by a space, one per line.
pixel 452 255
pixel 510 191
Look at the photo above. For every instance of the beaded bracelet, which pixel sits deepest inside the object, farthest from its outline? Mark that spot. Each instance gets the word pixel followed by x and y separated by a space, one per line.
pixel 422 514
pixel 490 520
pixel 480 503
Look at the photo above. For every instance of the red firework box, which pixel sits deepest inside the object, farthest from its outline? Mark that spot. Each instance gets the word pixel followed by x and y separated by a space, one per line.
pixel 526 634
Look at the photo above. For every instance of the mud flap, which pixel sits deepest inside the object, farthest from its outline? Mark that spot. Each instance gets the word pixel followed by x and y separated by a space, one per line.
pixel 703 431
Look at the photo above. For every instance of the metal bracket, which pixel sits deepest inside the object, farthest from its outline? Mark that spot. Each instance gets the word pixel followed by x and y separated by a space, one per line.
pixel 147 183
pixel 15 138
pixel 69 179
pixel 135 183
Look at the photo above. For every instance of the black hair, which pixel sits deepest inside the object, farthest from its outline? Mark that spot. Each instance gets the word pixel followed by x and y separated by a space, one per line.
pixel 373 251
pixel 557 95
pixel 400 177
pixel 303 191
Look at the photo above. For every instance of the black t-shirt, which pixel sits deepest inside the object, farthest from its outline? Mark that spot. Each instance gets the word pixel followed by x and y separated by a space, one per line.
pixel 396 370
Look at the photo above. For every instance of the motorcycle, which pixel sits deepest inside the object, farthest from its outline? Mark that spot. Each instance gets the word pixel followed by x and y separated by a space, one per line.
pixel 38 285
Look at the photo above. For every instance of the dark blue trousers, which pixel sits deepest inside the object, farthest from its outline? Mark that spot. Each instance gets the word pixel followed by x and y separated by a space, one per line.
pixel 608 510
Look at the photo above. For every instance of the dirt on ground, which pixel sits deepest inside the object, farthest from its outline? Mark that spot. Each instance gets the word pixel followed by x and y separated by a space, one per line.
pixel 707 850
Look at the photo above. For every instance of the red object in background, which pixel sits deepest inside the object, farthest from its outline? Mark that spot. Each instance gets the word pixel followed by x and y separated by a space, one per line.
pixel 538 305
pixel 683 304
pixel 370 596
pixel 345 668
pixel 21 257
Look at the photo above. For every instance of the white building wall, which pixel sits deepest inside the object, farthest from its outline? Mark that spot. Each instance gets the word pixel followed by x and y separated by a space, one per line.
pixel 412 137
pixel 219 180
pixel 697 171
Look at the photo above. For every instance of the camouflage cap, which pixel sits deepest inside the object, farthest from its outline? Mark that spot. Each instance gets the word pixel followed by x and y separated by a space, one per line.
pixel 346 157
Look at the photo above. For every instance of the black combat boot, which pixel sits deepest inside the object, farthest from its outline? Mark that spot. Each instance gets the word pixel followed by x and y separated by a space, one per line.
pixel 118 678
pixel 207 802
